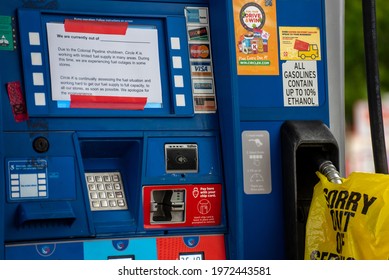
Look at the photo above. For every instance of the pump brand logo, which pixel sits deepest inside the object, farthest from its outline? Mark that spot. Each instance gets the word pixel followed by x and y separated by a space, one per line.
pixel 120 245
pixel 45 250
pixel 191 241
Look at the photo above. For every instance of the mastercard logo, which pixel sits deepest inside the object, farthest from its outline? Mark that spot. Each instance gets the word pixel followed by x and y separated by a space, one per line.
pixel 199 51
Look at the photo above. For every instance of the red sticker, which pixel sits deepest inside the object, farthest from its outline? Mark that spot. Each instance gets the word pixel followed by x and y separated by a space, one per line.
pixel 96 27
pixel 107 102
pixel 16 99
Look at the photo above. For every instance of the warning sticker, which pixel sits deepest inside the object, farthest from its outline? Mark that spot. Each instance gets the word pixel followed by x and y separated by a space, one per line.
pixel 299 43
pixel 300 83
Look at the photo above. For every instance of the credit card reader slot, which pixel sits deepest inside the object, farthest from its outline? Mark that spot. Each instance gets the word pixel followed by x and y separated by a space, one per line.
pixel 167 206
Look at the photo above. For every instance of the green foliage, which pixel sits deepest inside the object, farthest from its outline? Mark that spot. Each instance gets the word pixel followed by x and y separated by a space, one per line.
pixel 355 77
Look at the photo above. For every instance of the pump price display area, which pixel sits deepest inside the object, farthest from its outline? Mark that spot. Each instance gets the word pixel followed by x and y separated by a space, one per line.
pixel 192 256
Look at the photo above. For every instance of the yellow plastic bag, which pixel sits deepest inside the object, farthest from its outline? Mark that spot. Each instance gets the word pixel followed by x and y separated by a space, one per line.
pixel 350 220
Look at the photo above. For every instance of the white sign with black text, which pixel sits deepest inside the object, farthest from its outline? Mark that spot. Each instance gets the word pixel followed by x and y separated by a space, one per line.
pixel 103 64
pixel 300 83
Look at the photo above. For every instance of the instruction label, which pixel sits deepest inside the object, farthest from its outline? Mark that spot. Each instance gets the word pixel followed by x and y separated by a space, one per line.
pixel 104 64
pixel 202 205
pixel 256 162
pixel 300 83
pixel 27 179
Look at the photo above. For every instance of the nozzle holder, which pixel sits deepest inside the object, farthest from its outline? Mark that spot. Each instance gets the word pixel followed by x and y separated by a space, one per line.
pixel 305 145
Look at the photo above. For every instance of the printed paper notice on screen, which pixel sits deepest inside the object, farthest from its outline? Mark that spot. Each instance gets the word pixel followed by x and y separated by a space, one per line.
pixel 104 65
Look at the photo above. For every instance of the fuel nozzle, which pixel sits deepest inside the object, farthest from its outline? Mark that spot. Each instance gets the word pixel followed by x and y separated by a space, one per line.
pixel 329 170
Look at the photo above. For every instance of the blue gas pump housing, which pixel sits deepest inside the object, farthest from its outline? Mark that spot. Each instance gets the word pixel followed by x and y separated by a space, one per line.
pixel 152 129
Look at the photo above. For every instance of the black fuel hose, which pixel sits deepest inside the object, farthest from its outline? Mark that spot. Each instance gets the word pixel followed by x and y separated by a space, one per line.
pixel 373 86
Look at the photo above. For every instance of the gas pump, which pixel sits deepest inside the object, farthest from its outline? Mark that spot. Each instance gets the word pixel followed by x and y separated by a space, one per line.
pixel 153 129
pixel 281 91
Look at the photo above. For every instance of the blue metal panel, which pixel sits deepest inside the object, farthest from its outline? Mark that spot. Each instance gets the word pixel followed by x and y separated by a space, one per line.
pixel 49 251
pixel 141 249
pixel 61 189
pixel 263 214
pixel 261 97
pixel 209 164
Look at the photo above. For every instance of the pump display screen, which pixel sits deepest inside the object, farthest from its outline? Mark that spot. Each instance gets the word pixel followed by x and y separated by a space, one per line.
pixel 114 66
pixel 120 60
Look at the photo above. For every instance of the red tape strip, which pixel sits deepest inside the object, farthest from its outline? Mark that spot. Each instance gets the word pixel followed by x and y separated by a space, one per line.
pixel 16 99
pixel 96 27
pixel 107 102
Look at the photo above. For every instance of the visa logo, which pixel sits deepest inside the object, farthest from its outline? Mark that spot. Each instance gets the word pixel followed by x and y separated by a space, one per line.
pixel 202 68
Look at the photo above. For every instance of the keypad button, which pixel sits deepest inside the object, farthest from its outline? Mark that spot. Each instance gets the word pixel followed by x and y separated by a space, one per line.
pixel 119 194
pixel 100 187
pixel 95 204
pixel 93 195
pixel 106 191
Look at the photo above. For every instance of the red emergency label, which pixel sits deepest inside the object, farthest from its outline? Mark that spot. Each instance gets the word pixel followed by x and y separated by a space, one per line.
pixel 200 206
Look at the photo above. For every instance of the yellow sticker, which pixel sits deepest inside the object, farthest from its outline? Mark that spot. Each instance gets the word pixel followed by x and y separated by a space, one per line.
pixel 256 39
pixel 299 43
